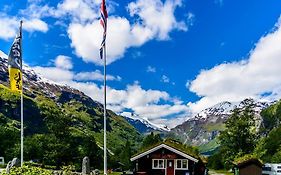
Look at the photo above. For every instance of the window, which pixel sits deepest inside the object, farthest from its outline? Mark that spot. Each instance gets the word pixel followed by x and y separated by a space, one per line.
pixel 179 164
pixel 182 164
pixel 266 168
pixel 137 166
pixel 158 164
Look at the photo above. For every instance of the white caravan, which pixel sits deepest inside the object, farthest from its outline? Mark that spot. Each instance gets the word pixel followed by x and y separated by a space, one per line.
pixel 2 161
pixel 271 169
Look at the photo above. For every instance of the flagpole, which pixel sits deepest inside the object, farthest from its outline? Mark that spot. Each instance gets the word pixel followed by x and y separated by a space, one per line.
pixel 104 114
pixel 22 133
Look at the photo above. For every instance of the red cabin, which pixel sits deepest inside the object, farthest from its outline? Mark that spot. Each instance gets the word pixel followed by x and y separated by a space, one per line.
pixel 164 160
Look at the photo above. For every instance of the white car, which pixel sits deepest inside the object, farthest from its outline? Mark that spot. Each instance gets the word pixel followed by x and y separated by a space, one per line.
pixel 271 169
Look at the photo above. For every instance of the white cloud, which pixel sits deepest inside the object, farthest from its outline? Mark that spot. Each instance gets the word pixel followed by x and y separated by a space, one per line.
pixel 55 74
pixel 63 62
pixel 150 69
pixel 151 104
pixel 86 39
pixel 10 26
pixel 235 81
pixel 157 16
pixel 62 72
pixel 33 25
pixel 156 21
pixel 96 75
pixel 79 10
pixel 165 79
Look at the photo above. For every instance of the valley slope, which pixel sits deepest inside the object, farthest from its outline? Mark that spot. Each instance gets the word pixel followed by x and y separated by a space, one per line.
pixel 203 129
pixel 59 111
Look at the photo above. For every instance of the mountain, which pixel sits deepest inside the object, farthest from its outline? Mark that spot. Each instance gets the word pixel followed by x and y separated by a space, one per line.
pixel 60 122
pixel 205 126
pixel 144 126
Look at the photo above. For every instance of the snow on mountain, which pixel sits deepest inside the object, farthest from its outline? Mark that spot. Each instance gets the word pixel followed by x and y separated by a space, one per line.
pixel 207 124
pixel 143 125
pixel 224 109
pixel 34 84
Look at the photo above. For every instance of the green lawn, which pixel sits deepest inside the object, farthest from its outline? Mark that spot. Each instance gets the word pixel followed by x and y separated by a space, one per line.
pixel 225 172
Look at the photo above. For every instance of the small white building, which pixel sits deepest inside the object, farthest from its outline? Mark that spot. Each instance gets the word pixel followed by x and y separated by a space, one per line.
pixel 271 169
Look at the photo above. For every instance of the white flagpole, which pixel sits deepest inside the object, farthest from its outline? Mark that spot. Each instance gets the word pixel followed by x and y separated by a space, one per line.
pixel 22 133
pixel 104 114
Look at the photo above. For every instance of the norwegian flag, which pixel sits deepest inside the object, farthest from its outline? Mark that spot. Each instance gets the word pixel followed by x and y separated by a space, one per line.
pixel 103 22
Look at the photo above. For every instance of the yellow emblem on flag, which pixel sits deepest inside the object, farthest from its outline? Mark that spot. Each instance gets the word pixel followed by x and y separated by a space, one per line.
pixel 15 79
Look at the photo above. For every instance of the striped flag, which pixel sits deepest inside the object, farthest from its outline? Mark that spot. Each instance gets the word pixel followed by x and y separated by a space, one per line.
pixel 15 64
pixel 103 22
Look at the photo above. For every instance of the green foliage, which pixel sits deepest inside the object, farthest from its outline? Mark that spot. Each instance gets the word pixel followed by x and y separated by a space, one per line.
pixel 276 158
pixel 60 132
pixel 271 118
pixel 122 157
pixel 268 147
pixel 245 157
pixel 27 170
pixel 240 135
pixel 215 161
pixel 190 150
pixel 210 146
pixel 151 139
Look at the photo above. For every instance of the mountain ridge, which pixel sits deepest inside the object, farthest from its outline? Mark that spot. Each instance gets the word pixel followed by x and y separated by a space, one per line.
pixel 45 100
pixel 144 126
pixel 207 124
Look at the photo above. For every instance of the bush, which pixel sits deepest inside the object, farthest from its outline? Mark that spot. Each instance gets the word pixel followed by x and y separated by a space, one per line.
pixel 27 170
pixel 215 161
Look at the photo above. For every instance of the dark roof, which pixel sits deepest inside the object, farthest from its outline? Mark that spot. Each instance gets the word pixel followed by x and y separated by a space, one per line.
pixel 249 162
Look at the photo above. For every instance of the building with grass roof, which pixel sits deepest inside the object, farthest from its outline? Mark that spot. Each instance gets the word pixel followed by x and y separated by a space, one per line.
pixel 168 158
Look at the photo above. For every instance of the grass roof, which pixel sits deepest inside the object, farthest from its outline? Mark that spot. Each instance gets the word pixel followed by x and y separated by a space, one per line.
pixel 190 150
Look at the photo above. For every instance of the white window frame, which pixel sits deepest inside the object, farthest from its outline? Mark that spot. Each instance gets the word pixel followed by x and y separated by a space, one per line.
pixel 181 168
pixel 157 167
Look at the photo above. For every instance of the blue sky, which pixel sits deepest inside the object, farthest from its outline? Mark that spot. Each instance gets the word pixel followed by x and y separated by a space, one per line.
pixel 167 59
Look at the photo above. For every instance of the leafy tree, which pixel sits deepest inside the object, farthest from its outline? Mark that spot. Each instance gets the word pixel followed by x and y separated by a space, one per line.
pixel 269 147
pixel 150 140
pixel 271 118
pixel 239 137
pixel 215 161
pixel 276 158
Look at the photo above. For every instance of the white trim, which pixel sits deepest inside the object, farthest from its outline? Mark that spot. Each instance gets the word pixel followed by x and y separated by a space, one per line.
pixel 167 147
pixel 176 165
pixel 158 168
pixel 166 167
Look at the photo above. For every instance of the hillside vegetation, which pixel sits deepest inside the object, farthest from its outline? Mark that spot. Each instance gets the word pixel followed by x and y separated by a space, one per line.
pixel 242 139
pixel 60 132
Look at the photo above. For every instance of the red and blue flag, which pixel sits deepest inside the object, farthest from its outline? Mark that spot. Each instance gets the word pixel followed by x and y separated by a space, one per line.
pixel 103 22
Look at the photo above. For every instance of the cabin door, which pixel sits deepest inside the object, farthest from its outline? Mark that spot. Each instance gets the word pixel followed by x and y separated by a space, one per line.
pixel 170 167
